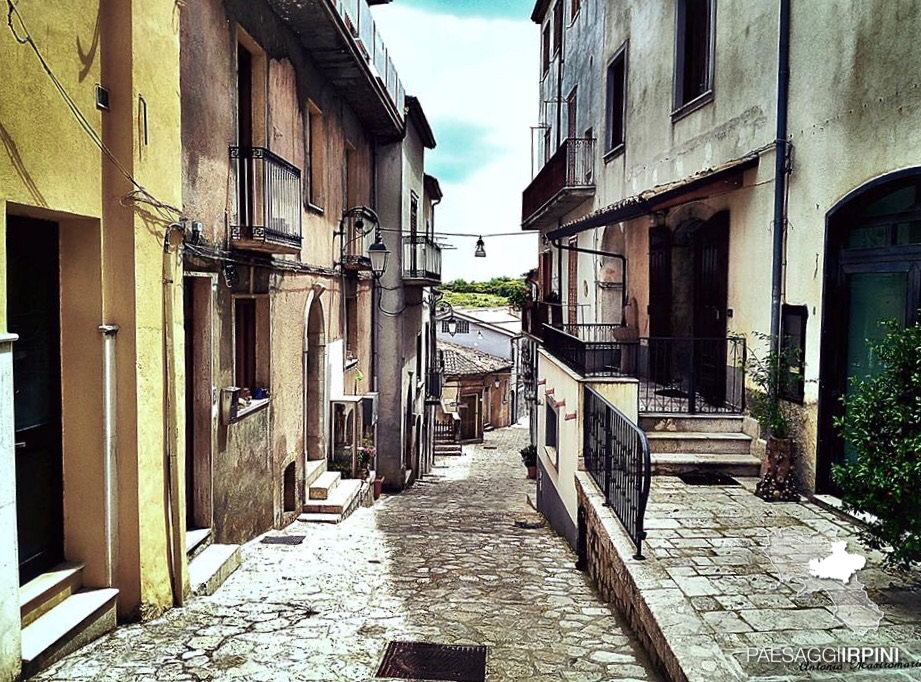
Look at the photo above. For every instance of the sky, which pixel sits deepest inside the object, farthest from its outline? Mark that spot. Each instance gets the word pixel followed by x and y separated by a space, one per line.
pixel 473 65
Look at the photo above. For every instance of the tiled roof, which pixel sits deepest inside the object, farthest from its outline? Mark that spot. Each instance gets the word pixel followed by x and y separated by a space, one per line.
pixel 461 361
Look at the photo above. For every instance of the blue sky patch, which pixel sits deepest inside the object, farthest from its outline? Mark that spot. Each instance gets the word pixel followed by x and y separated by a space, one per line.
pixel 463 148
pixel 490 9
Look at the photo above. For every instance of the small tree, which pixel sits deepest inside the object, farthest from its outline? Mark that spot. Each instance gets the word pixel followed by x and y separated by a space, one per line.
pixel 882 423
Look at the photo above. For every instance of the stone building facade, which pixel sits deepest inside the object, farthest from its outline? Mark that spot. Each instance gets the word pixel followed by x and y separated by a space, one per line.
pixel 660 194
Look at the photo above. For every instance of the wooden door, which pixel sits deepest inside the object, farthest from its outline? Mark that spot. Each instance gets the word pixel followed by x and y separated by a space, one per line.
pixel 470 416
pixel 711 286
pixel 572 281
pixel 660 304
pixel 33 296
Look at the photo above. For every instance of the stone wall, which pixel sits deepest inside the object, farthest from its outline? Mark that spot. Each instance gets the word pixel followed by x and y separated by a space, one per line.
pixel 604 551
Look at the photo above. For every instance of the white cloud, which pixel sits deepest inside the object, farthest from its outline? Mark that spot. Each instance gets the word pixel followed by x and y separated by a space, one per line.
pixel 484 72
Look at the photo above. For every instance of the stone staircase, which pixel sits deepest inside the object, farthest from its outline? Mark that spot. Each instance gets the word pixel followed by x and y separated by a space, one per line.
pixel 448 449
pixel 680 444
pixel 59 615
pixel 210 564
pixel 330 498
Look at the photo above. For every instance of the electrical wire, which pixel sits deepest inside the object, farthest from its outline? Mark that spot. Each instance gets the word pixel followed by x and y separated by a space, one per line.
pixel 139 194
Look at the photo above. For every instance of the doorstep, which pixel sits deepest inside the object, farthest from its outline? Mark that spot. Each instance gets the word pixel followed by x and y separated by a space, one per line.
pixel 212 567
pixel 707 592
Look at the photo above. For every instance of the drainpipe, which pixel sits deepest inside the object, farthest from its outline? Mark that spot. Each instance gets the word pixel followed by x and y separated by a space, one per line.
pixel 109 422
pixel 607 254
pixel 780 171
pixel 172 271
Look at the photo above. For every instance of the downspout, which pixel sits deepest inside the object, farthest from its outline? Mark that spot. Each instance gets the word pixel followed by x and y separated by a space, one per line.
pixel 374 284
pixel 171 432
pixel 780 171
pixel 607 254
pixel 109 422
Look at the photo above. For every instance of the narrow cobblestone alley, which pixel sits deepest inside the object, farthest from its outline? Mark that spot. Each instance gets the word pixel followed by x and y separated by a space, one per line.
pixel 444 562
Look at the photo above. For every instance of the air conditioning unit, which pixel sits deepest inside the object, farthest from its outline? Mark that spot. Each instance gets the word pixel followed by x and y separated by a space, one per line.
pixel 369 408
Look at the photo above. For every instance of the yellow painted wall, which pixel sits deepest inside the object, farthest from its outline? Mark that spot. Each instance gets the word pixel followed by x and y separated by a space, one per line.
pixel 51 168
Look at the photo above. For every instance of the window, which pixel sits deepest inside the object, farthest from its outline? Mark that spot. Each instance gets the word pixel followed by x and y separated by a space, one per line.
pixel 693 50
pixel 616 101
pixel 572 114
pixel 351 319
pixel 251 348
pixel 558 27
pixel 576 6
pixel 545 51
pixel 413 213
pixel 315 156
pixel 551 426
pixel 793 325
pixel 245 339
pixel 419 376
pixel 547 151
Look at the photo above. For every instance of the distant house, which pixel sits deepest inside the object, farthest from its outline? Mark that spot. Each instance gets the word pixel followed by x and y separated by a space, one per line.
pixel 477 390
pixel 496 331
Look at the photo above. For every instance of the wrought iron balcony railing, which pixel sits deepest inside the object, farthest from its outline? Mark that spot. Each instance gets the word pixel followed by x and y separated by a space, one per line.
pixel 421 259
pixel 268 202
pixel 567 179
pixel 538 313
pixel 676 375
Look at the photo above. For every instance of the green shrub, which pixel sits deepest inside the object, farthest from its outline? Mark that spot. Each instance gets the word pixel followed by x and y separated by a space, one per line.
pixel 529 455
pixel 882 423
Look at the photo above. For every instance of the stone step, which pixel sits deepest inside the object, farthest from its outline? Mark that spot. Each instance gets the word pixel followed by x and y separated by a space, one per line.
pixel 454 451
pixel 341 500
pixel 44 592
pixel 701 442
pixel 320 518
pixel 323 487
pixel 710 423
pixel 71 624
pixel 671 464
pixel 196 540
pixel 212 567
pixel 313 469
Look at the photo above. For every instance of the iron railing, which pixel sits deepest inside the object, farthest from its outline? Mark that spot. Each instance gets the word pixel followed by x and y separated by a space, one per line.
pixel 589 349
pixel 421 258
pixel 447 430
pixel 616 456
pixel 268 199
pixel 570 167
pixel 691 375
pixel 676 375
pixel 538 313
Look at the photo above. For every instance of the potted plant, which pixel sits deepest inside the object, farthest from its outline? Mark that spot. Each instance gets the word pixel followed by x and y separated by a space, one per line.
pixel 529 458
pixel 363 460
pixel 770 374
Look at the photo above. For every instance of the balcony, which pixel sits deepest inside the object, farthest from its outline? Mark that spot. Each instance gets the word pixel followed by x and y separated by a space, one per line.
pixel 676 375
pixel 342 38
pixel 268 195
pixel 421 260
pixel 566 181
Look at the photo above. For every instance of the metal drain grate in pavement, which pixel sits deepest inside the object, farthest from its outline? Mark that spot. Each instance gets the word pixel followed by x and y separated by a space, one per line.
pixel 283 539
pixel 426 661
pixel 708 479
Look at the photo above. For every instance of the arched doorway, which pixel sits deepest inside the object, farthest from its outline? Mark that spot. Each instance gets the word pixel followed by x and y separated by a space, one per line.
pixel 872 273
pixel 314 380
pixel 611 279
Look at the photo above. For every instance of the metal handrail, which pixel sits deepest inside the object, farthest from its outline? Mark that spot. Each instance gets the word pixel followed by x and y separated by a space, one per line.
pixel 616 455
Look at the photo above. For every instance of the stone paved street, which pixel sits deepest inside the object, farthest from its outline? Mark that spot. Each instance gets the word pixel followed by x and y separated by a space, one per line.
pixel 444 562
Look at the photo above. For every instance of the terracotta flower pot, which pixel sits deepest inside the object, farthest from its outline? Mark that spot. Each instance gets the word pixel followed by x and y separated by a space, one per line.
pixel 378 486
pixel 532 472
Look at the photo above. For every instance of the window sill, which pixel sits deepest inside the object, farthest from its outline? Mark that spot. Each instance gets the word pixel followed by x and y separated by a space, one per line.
pixel 697 103
pixel 253 407
pixel 612 154
pixel 552 456
pixel 350 364
pixel 313 208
